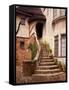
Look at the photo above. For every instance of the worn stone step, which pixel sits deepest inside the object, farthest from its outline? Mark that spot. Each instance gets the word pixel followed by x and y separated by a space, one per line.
pixel 43 54
pixel 49 77
pixel 44 51
pixel 47 71
pixel 48 60
pixel 43 48
pixel 45 57
pixel 47 63
pixel 47 67
pixel 49 74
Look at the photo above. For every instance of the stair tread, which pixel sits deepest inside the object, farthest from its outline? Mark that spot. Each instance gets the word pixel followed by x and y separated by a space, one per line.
pixel 44 57
pixel 47 70
pixel 49 74
pixel 49 66
pixel 47 63
pixel 44 62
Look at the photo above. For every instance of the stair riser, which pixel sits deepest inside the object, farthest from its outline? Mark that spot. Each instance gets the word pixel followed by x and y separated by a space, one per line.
pixel 46 72
pixel 43 55
pixel 52 78
pixel 45 68
pixel 46 64
pixel 45 61
pixel 45 58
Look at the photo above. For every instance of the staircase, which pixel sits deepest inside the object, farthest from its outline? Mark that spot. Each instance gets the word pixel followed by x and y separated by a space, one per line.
pixel 47 70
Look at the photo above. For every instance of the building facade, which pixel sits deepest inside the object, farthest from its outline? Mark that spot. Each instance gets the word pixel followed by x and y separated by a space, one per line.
pixel 45 28
pixel 29 24
pixel 45 24
pixel 55 28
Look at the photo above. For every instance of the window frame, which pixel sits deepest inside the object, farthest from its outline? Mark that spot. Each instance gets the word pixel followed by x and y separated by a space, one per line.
pixel 63 35
pixel 56 38
pixel 22 44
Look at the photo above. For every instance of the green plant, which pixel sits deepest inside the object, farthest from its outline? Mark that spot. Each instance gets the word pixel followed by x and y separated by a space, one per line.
pixel 50 50
pixel 33 48
pixel 46 45
pixel 60 65
pixel 64 68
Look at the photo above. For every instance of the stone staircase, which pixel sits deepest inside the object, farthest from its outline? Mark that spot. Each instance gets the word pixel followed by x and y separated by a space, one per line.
pixel 47 70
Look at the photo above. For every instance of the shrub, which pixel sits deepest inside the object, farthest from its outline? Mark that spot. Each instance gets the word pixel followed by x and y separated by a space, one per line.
pixel 50 50
pixel 33 48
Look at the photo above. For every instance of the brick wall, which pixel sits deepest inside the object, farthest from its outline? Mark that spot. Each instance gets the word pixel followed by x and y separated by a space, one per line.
pixel 23 53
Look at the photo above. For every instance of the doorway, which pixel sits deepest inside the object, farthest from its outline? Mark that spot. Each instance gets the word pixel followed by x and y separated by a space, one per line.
pixel 39 30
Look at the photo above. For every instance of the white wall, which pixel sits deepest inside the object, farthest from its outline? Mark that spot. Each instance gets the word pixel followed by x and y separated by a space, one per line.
pixel 24 29
pixel 60 28
pixel 48 33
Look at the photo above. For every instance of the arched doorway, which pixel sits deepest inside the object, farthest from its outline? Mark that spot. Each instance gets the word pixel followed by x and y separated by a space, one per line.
pixel 39 30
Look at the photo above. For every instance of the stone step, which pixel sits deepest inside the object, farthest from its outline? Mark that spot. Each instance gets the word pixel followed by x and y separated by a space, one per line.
pixel 49 77
pixel 43 53
pixel 47 67
pixel 47 63
pixel 45 57
pixel 49 74
pixel 48 60
pixel 43 48
pixel 47 71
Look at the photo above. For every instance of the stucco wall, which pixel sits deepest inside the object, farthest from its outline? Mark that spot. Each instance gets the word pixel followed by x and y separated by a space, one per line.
pixel 51 30
pixel 48 29
pixel 59 29
pixel 24 29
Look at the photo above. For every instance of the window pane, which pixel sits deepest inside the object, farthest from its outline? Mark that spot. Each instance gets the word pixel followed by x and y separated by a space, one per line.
pixel 54 13
pixel 63 45
pixel 62 12
pixel 21 44
pixel 56 46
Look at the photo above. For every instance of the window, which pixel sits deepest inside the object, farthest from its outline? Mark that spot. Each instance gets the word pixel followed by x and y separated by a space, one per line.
pixel 54 13
pixel 63 45
pixel 56 46
pixel 21 44
pixel 62 12
pixel 47 11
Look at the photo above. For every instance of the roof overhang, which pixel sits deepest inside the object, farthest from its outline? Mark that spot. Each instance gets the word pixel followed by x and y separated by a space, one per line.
pixel 34 14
